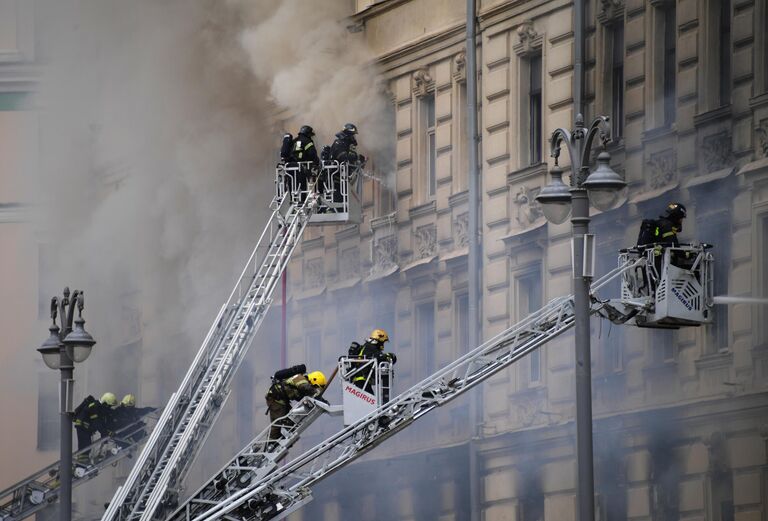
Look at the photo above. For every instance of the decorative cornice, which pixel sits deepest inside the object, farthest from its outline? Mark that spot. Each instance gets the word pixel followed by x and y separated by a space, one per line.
pixel 312 244
pixel 529 40
pixel 422 210
pixel 422 83
pixel 712 116
pixel 610 11
pixel 385 221
pixel 348 232
pixel 528 172
pixel 459 66
pixel 458 198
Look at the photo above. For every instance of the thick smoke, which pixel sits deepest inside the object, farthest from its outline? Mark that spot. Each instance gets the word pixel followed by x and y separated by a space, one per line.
pixel 158 142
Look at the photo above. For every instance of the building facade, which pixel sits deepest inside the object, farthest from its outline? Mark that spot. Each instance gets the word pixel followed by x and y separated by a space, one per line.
pixel 680 430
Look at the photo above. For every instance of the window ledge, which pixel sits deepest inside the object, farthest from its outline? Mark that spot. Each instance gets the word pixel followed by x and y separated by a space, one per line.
pixel 712 116
pixel 715 360
pixel 422 210
pixel 761 100
pixel 527 172
pixel 659 133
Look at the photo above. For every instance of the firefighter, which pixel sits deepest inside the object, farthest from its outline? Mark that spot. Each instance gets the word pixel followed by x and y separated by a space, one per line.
pixel 302 151
pixel 283 391
pixel 93 416
pixel 127 414
pixel 373 349
pixel 663 231
pixel 344 150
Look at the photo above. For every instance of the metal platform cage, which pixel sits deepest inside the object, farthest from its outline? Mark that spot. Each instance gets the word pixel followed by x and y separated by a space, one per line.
pixel 371 390
pixel 335 183
pixel 676 283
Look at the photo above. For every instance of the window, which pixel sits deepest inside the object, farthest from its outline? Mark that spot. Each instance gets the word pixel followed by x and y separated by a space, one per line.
pixel 461 139
pixel 534 110
pixel 47 412
pixel 725 52
pixel 617 80
pixel 425 336
pixel 529 301
pixel 462 324
pixel 430 124
pixel 718 226
pixel 670 63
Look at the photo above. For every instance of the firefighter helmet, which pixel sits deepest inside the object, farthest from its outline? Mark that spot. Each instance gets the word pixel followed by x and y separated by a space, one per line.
pixel 316 378
pixel 675 211
pixel 349 129
pixel 109 399
pixel 380 335
pixel 306 130
pixel 129 400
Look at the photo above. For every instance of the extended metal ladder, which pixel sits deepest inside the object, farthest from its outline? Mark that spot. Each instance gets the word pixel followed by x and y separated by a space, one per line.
pixel 286 489
pixel 186 421
pixel 257 459
pixel 42 488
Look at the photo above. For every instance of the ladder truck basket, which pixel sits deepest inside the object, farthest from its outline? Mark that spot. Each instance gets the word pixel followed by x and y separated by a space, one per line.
pixel 366 385
pixel 673 287
pixel 334 182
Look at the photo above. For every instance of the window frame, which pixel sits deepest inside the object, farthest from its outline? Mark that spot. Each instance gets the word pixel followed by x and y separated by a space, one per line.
pixel 617 105
pixel 535 104
pixel 535 358
pixel 427 358
pixel 428 104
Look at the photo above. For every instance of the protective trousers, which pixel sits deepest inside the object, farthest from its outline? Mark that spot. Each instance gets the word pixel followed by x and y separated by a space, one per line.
pixel 278 409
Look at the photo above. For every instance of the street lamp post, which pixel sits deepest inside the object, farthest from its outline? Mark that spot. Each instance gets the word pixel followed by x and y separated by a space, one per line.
pixel 63 348
pixel 602 187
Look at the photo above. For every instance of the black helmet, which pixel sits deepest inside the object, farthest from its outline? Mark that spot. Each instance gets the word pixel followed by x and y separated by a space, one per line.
pixel 675 211
pixel 306 130
pixel 350 129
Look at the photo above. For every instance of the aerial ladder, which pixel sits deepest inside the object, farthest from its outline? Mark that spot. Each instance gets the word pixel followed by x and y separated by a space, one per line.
pixel 42 488
pixel 277 492
pixel 304 194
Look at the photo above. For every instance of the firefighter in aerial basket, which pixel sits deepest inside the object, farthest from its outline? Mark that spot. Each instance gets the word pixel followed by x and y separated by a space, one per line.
pixel 291 384
pixel 372 349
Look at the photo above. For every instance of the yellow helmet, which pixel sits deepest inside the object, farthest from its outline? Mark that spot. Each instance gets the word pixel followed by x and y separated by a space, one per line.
pixel 316 378
pixel 129 400
pixel 380 335
pixel 109 399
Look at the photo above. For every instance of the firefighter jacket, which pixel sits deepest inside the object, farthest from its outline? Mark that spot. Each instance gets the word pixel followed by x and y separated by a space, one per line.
pixel 666 232
pixel 292 389
pixel 344 147
pixel 93 415
pixel 304 150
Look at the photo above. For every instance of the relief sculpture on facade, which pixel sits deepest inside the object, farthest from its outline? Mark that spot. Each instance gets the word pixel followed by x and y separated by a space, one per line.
pixel 529 40
pixel 528 210
pixel 460 67
pixel 422 82
pixel 314 274
pixel 663 167
pixel 384 254
pixel 426 241
pixel 761 148
pixel 460 230
pixel 717 152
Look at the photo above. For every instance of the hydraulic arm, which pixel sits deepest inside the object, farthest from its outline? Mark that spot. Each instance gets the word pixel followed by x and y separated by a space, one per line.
pixel 287 488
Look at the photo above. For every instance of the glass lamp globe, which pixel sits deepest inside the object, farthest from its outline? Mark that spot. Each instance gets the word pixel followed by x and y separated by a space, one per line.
pixel 555 198
pixel 604 185
pixel 79 342
pixel 50 350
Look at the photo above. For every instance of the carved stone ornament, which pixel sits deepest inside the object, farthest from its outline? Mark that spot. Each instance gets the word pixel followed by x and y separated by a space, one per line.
pixel 610 10
pixel 663 166
pixel 384 254
pixel 349 263
pixel 314 273
pixel 461 230
pixel 526 409
pixel 529 40
pixel 528 209
pixel 423 83
pixel 717 152
pixel 426 241
pixel 761 132
pixel 460 67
